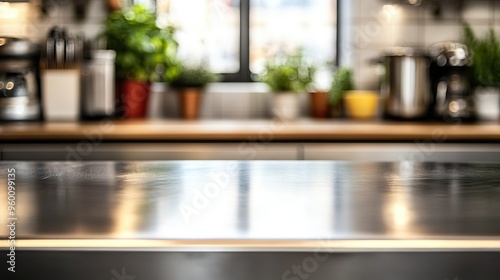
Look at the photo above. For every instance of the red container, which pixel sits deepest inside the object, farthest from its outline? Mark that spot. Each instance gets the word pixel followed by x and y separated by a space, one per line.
pixel 134 96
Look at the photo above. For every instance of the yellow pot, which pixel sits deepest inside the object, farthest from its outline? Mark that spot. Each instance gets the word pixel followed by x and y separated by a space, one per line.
pixel 361 104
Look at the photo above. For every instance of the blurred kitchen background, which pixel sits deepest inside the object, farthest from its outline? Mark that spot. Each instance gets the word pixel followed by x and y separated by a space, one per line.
pixel 209 30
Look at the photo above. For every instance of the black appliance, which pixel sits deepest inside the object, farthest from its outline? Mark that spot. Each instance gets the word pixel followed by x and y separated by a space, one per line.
pixel 450 74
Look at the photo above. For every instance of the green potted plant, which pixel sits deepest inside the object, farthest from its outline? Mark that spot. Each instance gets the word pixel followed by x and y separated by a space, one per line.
pixel 190 82
pixel 144 52
pixel 359 104
pixel 486 72
pixel 342 82
pixel 287 75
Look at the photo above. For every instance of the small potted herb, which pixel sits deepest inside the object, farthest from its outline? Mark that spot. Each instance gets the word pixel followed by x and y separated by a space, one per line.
pixel 190 82
pixel 287 75
pixel 486 72
pixel 143 52
pixel 359 104
pixel 342 82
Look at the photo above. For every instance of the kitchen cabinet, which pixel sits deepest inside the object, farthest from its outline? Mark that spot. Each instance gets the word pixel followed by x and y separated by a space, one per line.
pixel 396 152
pixel 251 140
pixel 246 150
pixel 85 151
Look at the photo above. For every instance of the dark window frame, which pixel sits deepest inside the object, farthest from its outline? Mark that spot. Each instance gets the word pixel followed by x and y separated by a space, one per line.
pixel 244 74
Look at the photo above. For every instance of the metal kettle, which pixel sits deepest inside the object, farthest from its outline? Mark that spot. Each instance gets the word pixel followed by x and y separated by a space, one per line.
pixel 406 85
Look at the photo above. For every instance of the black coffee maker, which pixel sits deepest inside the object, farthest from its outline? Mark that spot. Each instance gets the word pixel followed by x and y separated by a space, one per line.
pixel 451 73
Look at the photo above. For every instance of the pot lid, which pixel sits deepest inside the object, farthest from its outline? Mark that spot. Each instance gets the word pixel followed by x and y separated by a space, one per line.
pixel 406 51
pixel 16 47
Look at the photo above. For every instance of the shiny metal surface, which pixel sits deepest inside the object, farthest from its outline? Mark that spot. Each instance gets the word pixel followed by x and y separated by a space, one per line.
pixel 250 266
pixel 450 53
pixel 451 73
pixel 19 109
pixel 406 86
pixel 18 48
pixel 99 85
pixel 19 80
pixel 267 220
pixel 233 200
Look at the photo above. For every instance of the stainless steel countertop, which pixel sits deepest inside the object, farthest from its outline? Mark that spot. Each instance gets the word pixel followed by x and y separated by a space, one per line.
pixel 262 203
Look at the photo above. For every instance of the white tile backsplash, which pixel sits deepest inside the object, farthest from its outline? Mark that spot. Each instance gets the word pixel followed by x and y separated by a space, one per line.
pixel 496 12
pixel 448 11
pixel 441 32
pixel 375 26
pixel 413 26
pixel 30 22
pixel 478 10
pixel 367 9
pixel 366 76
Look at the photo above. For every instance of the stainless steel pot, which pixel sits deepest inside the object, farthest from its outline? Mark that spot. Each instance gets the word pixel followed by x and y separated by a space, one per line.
pixel 406 85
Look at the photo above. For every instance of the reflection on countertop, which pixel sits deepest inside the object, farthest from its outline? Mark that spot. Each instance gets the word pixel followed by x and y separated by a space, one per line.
pixel 232 200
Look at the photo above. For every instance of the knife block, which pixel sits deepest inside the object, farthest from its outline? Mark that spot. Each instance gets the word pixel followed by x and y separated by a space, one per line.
pixel 61 94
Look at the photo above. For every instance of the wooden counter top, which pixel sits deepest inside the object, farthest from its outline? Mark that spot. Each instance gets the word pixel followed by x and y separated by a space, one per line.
pixel 264 130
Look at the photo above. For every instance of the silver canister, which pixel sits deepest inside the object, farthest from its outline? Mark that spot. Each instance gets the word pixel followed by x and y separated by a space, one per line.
pixel 98 93
pixel 406 84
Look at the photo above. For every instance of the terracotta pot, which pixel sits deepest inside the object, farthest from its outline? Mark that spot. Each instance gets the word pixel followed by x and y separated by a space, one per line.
pixel 114 5
pixel 190 101
pixel 320 108
pixel 134 97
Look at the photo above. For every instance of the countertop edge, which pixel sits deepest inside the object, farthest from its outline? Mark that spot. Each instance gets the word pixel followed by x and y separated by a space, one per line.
pixel 248 130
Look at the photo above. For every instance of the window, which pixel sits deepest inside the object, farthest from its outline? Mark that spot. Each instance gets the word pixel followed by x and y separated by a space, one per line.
pixel 236 37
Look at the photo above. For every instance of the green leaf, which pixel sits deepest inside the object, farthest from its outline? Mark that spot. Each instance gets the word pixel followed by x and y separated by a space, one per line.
pixel 140 45
pixel 342 82
pixel 486 56
pixel 289 72
pixel 190 75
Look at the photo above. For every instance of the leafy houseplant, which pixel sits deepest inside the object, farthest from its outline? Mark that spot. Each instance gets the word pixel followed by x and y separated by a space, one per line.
pixel 190 81
pixel 144 52
pixel 486 57
pixel 486 72
pixel 192 76
pixel 342 82
pixel 286 75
